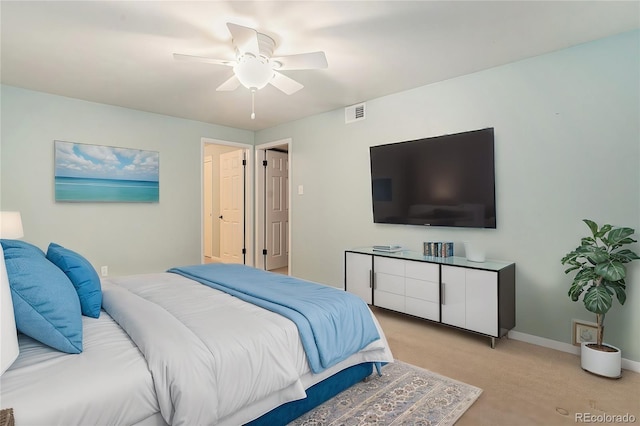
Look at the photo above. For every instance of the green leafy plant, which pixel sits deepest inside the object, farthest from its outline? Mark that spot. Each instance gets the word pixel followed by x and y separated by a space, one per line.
pixel 601 274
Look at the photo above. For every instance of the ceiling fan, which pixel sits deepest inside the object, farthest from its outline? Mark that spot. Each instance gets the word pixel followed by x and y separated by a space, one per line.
pixel 255 67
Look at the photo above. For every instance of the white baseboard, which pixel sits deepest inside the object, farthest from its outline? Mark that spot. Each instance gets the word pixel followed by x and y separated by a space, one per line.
pixel 627 364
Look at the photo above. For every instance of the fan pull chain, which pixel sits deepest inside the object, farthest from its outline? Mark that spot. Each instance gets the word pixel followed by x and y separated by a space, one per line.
pixel 253 104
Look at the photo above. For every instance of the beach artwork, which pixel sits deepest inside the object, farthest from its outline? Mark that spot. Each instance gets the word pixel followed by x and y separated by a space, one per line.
pixel 96 173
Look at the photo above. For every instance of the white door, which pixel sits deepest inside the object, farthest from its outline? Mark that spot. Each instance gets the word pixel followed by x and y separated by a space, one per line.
pixel 231 207
pixel 453 296
pixel 482 301
pixel 358 279
pixel 208 206
pixel 277 209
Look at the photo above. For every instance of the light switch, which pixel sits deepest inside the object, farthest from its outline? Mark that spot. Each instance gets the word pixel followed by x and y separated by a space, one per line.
pixel 300 190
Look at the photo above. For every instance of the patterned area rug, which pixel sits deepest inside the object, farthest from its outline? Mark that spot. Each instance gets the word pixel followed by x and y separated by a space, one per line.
pixel 404 395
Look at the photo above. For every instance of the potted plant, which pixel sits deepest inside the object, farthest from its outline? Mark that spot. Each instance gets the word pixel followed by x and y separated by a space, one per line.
pixel 599 260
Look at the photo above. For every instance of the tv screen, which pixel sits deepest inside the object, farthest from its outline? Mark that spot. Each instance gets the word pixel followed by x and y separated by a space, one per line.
pixel 438 181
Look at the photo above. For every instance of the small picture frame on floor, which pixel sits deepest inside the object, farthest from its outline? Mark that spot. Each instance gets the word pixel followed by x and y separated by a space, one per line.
pixel 584 332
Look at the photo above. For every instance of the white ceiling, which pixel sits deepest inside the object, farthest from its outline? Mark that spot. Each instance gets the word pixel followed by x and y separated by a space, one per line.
pixel 120 52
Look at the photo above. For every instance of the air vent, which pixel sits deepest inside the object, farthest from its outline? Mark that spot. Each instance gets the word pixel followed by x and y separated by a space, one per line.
pixel 354 113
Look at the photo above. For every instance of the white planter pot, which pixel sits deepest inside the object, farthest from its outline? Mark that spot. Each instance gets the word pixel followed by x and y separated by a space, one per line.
pixel 607 364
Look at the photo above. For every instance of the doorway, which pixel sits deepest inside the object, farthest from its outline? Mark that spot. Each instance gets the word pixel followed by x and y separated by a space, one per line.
pixel 273 236
pixel 226 202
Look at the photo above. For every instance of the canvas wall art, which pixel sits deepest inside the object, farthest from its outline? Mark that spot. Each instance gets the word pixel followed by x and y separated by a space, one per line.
pixel 97 173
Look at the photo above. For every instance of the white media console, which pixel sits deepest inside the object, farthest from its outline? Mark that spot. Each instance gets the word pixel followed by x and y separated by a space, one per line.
pixel 478 297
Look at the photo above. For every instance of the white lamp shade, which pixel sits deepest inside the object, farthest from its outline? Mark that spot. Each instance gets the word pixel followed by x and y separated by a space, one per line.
pixel 11 225
pixel 9 348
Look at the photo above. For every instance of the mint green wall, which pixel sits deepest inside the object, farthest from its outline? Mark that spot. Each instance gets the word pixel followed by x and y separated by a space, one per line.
pixel 567 147
pixel 129 238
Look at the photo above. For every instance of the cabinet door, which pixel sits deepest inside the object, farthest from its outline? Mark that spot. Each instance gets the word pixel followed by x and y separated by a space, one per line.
pixel 358 271
pixel 453 296
pixel 482 301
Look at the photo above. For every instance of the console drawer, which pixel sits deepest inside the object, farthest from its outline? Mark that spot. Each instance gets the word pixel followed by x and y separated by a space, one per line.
pixel 389 266
pixel 389 283
pixel 422 271
pixel 389 300
pixel 422 308
pixel 425 290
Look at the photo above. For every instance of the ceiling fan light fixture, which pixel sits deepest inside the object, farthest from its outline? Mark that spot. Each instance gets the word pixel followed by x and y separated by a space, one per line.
pixel 253 72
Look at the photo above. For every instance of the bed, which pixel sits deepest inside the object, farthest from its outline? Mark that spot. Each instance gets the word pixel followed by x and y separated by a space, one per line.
pixel 201 344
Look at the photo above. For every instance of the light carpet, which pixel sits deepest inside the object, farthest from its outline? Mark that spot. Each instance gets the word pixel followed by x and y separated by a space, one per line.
pixel 404 395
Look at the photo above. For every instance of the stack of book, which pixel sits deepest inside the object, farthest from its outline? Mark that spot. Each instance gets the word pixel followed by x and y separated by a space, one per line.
pixel 438 248
pixel 388 248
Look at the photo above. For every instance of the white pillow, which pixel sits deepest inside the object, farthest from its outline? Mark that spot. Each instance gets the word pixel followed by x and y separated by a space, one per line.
pixel 8 334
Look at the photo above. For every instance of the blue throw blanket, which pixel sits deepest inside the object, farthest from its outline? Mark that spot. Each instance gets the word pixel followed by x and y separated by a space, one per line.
pixel 332 323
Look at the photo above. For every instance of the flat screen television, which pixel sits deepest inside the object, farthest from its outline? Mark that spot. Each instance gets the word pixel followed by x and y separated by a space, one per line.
pixel 445 180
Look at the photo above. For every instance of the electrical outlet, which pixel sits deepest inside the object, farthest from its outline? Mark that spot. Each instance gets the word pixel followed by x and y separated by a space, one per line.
pixel 104 271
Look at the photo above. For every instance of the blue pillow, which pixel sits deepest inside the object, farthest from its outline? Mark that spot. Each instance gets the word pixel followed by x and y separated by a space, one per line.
pixel 45 303
pixel 21 248
pixel 83 276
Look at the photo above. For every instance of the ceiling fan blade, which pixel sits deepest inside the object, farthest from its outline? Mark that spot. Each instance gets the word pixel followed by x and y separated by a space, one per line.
pixel 244 39
pixel 190 58
pixel 229 85
pixel 302 61
pixel 284 83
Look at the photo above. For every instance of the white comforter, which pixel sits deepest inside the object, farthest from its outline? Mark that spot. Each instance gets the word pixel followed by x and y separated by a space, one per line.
pixel 214 358
pixel 107 384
